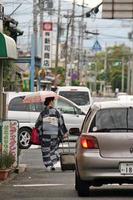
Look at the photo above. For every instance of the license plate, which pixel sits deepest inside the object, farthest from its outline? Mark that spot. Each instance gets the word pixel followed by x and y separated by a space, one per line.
pixel 126 168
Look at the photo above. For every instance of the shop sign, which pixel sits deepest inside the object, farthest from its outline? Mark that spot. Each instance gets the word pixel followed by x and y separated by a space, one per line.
pixel 47 44
pixel 10 137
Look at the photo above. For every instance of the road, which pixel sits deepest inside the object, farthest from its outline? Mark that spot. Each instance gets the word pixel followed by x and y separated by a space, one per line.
pixel 37 184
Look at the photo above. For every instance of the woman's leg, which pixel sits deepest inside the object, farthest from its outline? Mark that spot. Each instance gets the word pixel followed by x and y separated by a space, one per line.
pixel 46 150
pixel 54 155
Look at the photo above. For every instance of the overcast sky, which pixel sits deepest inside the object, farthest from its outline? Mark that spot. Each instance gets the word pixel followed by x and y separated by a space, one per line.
pixel 110 31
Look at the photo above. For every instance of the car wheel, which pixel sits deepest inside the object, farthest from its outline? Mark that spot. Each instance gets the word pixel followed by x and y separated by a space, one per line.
pixel 24 135
pixel 81 186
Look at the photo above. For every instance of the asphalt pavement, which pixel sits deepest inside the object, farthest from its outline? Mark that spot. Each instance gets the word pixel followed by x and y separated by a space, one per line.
pixel 35 183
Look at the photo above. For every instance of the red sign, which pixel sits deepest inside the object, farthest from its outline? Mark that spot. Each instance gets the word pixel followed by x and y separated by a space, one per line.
pixel 47 26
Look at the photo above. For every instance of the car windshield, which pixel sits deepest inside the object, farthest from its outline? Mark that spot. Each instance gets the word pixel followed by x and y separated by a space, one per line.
pixel 79 97
pixel 115 119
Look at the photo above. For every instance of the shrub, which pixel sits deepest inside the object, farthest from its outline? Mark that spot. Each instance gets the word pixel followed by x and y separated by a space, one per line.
pixel 6 160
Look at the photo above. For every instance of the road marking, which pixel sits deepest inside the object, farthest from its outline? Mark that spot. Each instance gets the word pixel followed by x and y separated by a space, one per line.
pixel 38 185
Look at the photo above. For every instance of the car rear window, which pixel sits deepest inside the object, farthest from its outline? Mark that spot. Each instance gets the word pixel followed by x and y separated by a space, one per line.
pixel 79 97
pixel 114 118
pixel 16 104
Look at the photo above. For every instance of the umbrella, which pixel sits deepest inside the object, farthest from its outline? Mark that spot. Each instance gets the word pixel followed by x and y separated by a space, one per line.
pixel 39 96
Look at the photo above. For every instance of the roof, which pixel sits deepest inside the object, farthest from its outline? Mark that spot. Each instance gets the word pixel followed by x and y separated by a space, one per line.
pixel 112 104
pixel 67 88
pixel 8 49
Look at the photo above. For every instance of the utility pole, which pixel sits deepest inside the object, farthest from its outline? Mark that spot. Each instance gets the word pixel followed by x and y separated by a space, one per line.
pixel 34 45
pixel 81 42
pixel 66 48
pixel 41 6
pixel 1 63
pixel 35 28
pixel 79 49
pixel 130 64
pixel 57 38
pixel 82 24
pixel 122 75
pixel 72 41
pixel 105 69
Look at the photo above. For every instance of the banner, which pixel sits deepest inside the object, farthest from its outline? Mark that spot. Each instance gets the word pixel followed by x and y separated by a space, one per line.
pixel 10 137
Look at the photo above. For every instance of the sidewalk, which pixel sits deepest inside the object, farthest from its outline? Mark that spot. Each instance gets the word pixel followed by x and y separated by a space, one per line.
pixel 24 169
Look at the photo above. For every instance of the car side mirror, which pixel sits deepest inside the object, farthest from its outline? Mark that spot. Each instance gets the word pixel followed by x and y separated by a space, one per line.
pixel 74 131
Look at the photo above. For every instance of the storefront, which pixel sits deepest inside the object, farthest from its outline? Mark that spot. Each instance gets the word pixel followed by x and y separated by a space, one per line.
pixel 8 129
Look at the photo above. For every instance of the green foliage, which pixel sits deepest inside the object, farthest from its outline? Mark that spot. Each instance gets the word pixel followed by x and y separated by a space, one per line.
pixel 75 83
pixel 10 79
pixel 6 160
pixel 116 78
pixel 61 71
pixel 115 57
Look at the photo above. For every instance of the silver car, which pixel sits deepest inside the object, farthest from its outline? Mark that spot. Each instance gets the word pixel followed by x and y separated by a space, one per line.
pixel 104 149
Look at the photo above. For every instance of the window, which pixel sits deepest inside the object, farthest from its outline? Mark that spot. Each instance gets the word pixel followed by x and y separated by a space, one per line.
pixel 87 121
pixel 16 104
pixel 113 118
pixel 66 107
pixel 78 97
pixel 38 107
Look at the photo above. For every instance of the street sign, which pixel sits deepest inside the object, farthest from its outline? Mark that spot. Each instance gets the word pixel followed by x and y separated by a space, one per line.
pixel 117 9
pixel 96 47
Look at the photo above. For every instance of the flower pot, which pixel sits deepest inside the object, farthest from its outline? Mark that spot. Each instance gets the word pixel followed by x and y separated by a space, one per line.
pixel 4 174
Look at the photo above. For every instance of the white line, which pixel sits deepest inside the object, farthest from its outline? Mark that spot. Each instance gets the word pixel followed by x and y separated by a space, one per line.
pixel 38 185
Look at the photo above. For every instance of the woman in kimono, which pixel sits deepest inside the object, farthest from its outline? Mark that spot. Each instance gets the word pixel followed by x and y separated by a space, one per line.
pixel 52 129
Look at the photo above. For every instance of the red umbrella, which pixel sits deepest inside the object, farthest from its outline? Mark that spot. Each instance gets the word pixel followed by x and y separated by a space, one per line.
pixel 39 96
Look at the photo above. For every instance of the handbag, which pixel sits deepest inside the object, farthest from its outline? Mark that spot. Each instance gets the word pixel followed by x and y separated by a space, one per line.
pixel 35 136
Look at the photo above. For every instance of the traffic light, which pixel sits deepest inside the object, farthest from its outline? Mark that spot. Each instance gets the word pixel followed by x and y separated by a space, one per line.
pixel 94 10
pixel 14 33
pixel 88 14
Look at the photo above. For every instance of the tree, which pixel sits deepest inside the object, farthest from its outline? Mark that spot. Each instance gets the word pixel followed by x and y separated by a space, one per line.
pixel 61 72
pixel 11 79
pixel 113 73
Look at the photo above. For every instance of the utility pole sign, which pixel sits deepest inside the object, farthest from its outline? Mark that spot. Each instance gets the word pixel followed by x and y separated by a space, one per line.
pixel 47 47
pixel 117 9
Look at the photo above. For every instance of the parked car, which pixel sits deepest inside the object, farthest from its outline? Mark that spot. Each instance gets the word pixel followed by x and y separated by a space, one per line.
pixel 125 97
pixel 27 115
pixel 79 95
pixel 104 149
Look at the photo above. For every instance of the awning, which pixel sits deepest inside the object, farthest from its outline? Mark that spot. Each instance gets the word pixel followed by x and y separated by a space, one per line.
pixel 8 49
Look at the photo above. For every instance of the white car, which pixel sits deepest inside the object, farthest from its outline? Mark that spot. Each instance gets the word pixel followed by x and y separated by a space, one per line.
pixel 27 115
pixel 125 97
pixel 78 94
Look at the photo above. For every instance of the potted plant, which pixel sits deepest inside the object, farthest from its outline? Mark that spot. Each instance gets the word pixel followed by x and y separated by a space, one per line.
pixel 6 162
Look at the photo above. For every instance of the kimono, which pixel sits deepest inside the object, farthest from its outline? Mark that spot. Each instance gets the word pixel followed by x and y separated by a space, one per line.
pixel 51 130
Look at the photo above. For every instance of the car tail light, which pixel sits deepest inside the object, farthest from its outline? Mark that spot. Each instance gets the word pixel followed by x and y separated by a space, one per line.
pixel 88 142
